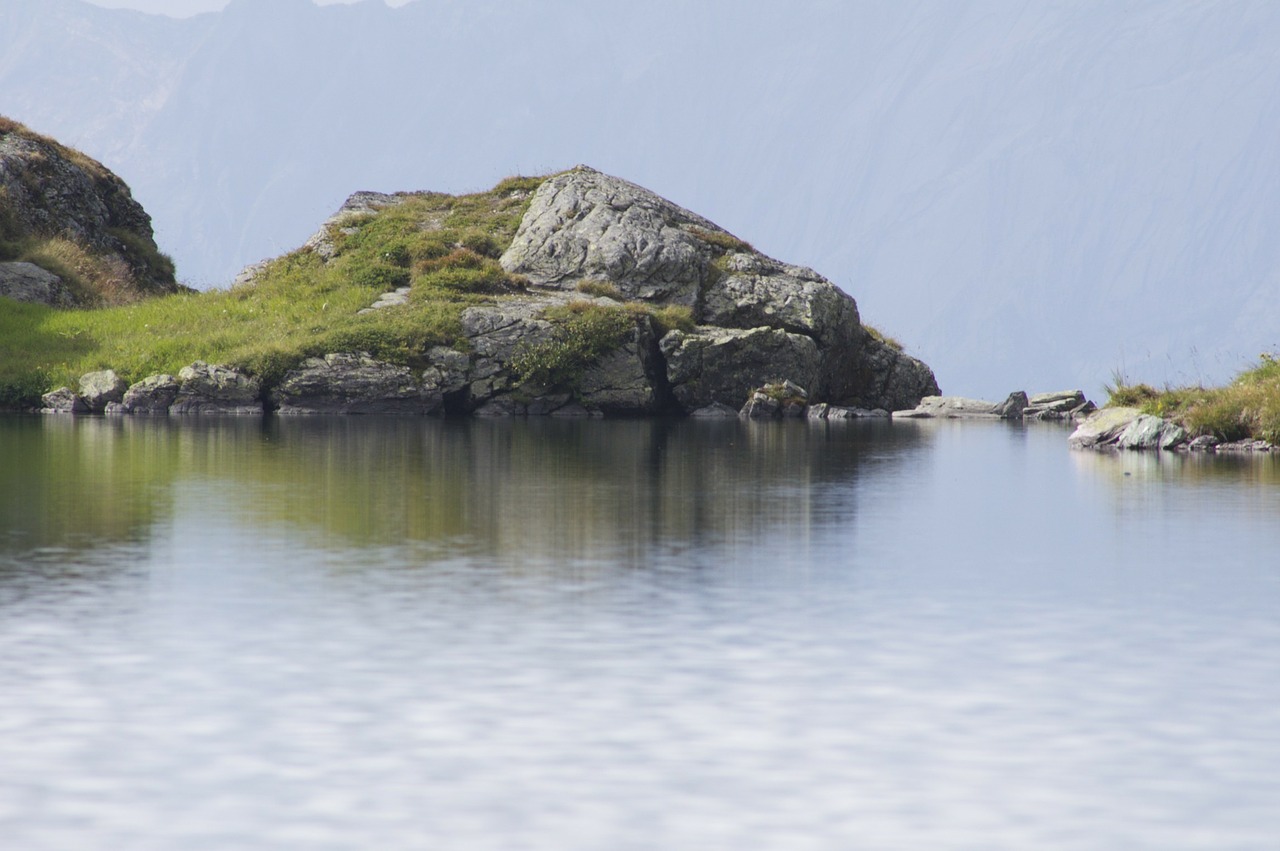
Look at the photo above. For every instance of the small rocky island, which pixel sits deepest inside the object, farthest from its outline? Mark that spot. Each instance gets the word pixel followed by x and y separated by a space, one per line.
pixel 605 300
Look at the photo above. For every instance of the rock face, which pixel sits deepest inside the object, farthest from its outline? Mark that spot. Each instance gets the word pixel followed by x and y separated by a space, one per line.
pixel 757 318
pixel 1129 428
pixel 354 384
pixel 48 190
pixel 23 281
pixel 214 389
pixel 152 395
pixel 99 389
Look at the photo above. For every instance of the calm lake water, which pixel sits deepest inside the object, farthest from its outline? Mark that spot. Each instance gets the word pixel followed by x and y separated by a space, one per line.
pixel 400 634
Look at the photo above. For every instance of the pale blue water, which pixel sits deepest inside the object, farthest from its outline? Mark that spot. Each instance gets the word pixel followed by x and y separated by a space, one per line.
pixel 364 633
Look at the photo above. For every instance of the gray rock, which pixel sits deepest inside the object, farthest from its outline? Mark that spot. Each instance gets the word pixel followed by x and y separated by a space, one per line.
pixel 874 374
pixel 1062 405
pixel 501 406
pixel 152 395
pixel 358 204
pixel 952 407
pixel 625 380
pixel 1013 405
pixel 544 406
pixel 449 372
pixel 1203 443
pixel 27 282
pixel 818 411
pixel 353 383
pixel 216 389
pixel 51 189
pixel 584 224
pixel 102 387
pixel 1246 445
pixel 723 365
pixel 760 292
pixel 836 412
pixel 1173 436
pixel 1144 432
pixel 1102 428
pixel 396 298
pixel 64 400
pixel 716 410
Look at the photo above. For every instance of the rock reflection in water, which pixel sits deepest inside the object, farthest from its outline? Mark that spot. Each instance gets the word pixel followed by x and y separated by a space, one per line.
pixel 624 491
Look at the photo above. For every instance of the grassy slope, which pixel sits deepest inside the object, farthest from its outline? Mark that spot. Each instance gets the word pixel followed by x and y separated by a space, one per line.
pixel 1248 407
pixel 445 247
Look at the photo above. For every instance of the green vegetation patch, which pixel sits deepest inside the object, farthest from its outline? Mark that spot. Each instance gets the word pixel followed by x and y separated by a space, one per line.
pixel 443 247
pixel 720 239
pixel 880 336
pixel 1248 407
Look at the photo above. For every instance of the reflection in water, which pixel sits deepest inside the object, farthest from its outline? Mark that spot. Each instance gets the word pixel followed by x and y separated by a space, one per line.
pixel 363 633
pixel 627 491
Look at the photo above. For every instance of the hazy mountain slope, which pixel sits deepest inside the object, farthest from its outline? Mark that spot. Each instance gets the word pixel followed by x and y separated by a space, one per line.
pixel 1028 194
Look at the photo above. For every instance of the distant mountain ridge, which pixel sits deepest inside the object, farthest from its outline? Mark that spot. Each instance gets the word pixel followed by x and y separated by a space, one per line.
pixel 1027 195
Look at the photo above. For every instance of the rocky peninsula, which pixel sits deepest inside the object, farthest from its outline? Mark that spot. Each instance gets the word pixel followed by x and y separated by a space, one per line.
pixel 577 294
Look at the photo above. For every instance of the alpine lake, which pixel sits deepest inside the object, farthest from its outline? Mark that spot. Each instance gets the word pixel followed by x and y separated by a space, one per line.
pixel 408 633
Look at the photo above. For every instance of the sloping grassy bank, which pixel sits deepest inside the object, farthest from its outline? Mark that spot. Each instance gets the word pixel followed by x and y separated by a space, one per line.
pixel 444 247
pixel 1247 407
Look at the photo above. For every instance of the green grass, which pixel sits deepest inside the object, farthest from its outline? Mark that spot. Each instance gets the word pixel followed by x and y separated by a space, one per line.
pixel 877 334
pixel 1247 407
pixel 585 331
pixel 444 247
pixel 720 239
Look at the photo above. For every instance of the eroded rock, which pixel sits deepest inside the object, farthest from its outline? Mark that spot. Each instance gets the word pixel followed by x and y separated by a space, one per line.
pixel 216 389
pixel 354 383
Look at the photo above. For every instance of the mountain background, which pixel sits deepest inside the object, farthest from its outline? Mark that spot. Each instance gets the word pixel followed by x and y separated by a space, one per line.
pixel 1027 194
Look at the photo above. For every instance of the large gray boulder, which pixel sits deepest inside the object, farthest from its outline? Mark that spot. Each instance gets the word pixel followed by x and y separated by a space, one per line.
pixel 27 282
pixel 353 383
pixel 1102 428
pixel 756 291
pixel 216 389
pixel 64 400
pixel 98 389
pixel 583 224
pixel 152 395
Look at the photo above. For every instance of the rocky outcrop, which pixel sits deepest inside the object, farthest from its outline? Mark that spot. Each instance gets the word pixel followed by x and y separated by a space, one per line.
pixel 50 191
pixel 757 317
pixel 1063 405
pixel 152 395
pixel 1129 428
pixel 777 399
pixel 1070 405
pixel 634 306
pixel 346 383
pixel 582 224
pixel 215 389
pixel 22 281
pixel 102 388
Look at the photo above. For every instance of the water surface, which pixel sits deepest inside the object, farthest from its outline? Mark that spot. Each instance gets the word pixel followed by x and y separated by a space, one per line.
pixel 398 633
